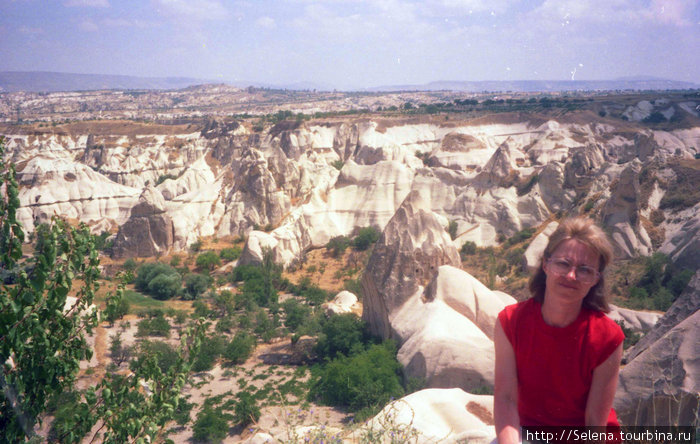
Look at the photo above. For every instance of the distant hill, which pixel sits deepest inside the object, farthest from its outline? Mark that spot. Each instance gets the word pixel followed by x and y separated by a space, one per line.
pixel 41 81
pixel 634 83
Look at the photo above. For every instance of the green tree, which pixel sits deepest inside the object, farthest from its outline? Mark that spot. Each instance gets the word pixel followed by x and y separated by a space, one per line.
pixel 208 261
pixel 366 237
pixel 42 342
pixel 363 380
pixel 240 348
pixel 211 425
pixel 195 285
pixel 340 334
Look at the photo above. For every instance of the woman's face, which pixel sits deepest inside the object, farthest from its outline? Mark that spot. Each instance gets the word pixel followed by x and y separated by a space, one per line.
pixel 568 287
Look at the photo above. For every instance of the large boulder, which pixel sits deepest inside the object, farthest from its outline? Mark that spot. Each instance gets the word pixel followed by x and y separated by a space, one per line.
pixel 446 331
pixel 149 230
pixel 343 302
pixel 435 415
pixel 637 321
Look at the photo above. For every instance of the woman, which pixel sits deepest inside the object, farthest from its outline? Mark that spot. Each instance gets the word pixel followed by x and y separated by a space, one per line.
pixel 557 354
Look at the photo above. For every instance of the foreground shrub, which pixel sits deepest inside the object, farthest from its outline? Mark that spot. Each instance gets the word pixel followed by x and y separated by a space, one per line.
pixel 246 410
pixel 212 348
pixel 368 379
pixel 211 425
pixel 240 348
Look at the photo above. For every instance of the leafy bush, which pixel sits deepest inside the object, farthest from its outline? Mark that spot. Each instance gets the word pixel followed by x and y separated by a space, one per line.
pixel 244 273
pixel 211 425
pixel 230 254
pixel 212 348
pixel 266 326
pixel 117 350
pixel 341 334
pixel 366 237
pixel 155 326
pixel 208 261
pixel 201 309
pixel 364 380
pixel 467 249
pixel 337 245
pixel 660 285
pixel 519 236
pixel 514 257
pixel 196 245
pixel 130 265
pixel 165 286
pixel 295 314
pixel 101 242
pixel 159 280
pixel 195 285
pixel 117 311
pixel 240 348
pixel 631 337
pixel 246 410
pixel 163 353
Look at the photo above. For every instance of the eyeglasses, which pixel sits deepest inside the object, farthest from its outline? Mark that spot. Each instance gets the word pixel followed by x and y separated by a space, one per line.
pixel 584 273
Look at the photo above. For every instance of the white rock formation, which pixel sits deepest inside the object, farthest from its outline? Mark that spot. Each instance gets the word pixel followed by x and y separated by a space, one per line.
pixel 343 302
pixel 436 415
pixel 637 321
pixel 54 185
pixel 534 252
pixel 442 318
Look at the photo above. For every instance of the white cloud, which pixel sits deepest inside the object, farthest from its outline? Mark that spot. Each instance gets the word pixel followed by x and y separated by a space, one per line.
pixel 266 22
pixel 126 23
pixel 469 6
pixel 91 3
pixel 195 10
pixel 671 12
pixel 29 30
pixel 88 26
pixel 626 12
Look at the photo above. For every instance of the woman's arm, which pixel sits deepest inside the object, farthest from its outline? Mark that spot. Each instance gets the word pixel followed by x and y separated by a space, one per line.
pixel 505 399
pixel 600 397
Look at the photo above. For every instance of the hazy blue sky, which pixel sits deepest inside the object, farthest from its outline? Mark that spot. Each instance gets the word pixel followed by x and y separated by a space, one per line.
pixel 355 43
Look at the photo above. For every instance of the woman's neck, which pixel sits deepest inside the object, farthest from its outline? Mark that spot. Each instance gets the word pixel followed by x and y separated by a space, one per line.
pixel 557 314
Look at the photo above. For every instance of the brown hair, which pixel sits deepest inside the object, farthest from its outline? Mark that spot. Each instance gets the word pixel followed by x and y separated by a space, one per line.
pixel 587 232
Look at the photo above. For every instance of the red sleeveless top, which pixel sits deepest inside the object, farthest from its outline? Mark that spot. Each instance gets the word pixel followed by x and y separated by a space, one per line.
pixel 555 365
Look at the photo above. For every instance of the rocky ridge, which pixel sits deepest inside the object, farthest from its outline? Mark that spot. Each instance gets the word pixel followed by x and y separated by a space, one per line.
pixel 311 181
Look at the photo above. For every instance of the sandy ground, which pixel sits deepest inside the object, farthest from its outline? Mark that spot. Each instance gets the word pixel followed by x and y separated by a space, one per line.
pixel 270 363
